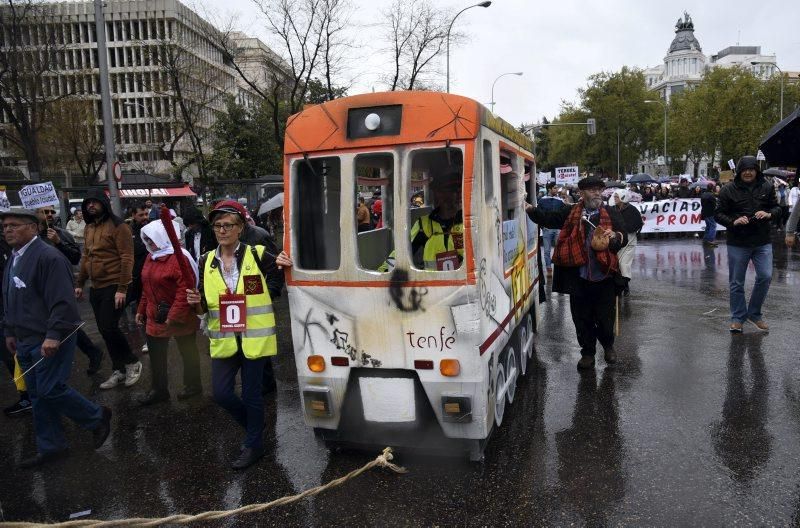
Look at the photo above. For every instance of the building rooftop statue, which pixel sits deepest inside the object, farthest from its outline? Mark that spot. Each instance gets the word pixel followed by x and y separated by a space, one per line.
pixel 684 36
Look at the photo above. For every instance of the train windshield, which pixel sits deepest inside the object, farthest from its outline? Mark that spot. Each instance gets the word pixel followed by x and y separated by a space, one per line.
pixel 436 223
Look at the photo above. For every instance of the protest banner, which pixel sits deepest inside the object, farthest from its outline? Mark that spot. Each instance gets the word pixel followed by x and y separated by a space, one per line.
pixel 38 195
pixel 567 175
pixel 510 241
pixel 543 178
pixel 680 215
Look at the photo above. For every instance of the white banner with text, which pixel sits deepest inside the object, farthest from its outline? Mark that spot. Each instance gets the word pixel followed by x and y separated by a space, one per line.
pixel 680 215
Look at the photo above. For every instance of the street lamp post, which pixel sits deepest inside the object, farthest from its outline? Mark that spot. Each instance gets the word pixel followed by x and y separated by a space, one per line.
pixel 482 4
pixel 665 127
pixel 780 70
pixel 495 82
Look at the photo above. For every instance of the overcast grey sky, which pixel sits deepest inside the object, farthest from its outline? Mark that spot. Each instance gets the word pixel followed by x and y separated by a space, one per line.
pixel 558 44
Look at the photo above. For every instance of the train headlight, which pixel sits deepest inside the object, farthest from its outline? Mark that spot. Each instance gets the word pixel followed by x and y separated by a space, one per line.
pixel 372 122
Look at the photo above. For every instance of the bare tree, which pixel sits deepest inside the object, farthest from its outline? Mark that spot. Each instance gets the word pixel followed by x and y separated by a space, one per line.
pixel 196 91
pixel 312 41
pixel 32 42
pixel 416 31
pixel 71 138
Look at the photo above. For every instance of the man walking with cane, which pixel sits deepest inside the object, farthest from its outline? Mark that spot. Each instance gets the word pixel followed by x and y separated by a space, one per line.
pixel 40 320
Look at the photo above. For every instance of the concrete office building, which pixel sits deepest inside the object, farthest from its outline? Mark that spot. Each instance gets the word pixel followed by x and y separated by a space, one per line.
pixel 150 43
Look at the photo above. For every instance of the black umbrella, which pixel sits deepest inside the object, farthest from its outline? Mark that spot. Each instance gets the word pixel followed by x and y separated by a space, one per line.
pixel 616 184
pixel 781 145
pixel 641 178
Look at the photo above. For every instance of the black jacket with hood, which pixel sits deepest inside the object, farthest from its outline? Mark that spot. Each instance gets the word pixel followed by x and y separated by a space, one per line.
pixel 737 199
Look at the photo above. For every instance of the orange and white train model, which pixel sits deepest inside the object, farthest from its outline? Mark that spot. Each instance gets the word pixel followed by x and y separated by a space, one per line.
pixel 393 346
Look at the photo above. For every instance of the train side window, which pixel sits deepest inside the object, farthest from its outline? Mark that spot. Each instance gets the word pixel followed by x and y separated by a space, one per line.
pixel 317 193
pixel 488 173
pixel 437 227
pixel 509 188
pixel 375 204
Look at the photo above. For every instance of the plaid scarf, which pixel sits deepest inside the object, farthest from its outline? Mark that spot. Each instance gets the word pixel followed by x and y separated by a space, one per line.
pixel 571 251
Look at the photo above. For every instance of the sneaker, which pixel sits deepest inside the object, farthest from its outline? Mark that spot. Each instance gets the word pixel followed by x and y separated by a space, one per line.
pixel 18 409
pixel 736 328
pixel 132 373
pixel 761 325
pixel 116 378
pixel 145 350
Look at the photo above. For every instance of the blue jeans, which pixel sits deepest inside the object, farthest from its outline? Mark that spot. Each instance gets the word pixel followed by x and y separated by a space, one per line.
pixel 51 396
pixel 738 260
pixel 248 410
pixel 549 239
pixel 711 229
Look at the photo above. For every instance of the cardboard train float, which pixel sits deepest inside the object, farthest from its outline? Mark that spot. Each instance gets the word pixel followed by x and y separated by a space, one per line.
pixel 414 331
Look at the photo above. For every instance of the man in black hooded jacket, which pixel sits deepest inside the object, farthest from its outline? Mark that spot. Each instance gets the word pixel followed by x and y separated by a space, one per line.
pixel 746 206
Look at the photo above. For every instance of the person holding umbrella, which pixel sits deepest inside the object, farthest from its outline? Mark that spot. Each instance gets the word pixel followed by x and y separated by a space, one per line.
pixel 234 291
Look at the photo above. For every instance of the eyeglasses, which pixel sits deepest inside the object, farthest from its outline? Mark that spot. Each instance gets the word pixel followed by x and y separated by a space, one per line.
pixel 224 227
pixel 14 227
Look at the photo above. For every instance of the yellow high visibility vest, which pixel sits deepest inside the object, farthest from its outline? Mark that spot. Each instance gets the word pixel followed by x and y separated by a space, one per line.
pixel 436 239
pixel 259 340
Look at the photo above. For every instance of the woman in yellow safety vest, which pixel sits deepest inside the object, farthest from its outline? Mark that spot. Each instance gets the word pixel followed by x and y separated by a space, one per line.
pixel 441 233
pixel 235 294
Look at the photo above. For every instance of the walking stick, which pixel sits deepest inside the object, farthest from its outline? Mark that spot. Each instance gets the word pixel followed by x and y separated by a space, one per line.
pixel 42 358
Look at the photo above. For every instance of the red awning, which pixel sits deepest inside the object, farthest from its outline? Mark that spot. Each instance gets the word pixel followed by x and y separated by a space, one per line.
pixel 156 192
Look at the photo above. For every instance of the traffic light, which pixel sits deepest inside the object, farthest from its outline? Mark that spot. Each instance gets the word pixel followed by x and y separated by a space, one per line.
pixel 591 129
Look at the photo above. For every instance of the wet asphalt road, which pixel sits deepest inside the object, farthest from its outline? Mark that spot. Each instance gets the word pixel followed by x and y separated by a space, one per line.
pixel 692 427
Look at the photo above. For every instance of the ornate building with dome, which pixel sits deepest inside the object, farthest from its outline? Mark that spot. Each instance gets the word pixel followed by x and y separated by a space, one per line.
pixel 685 64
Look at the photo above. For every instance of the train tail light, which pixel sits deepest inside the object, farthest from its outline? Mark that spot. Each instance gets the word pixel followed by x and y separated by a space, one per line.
pixel 450 367
pixel 316 363
pixel 340 361
pixel 423 364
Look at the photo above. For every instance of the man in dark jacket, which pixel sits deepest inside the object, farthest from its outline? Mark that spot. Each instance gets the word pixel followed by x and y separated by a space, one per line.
pixel 587 275
pixel 23 405
pixel 708 208
pixel 683 189
pixel 63 241
pixel 40 320
pixel 746 206
pixel 199 236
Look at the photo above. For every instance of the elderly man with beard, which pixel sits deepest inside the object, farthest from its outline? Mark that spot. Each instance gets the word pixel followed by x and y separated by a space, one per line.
pixel 586 265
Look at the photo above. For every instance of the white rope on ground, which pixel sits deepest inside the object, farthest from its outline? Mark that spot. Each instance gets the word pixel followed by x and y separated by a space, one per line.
pixel 382 460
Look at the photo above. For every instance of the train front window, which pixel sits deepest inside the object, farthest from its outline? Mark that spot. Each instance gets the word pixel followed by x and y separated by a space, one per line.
pixel 374 212
pixel 317 189
pixel 436 209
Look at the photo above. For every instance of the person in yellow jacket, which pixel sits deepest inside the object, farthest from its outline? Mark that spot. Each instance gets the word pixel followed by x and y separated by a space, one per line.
pixel 234 292
pixel 440 234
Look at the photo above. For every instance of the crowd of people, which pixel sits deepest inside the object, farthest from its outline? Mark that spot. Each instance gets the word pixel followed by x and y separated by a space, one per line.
pixel 132 264
pixel 588 244
pixel 183 276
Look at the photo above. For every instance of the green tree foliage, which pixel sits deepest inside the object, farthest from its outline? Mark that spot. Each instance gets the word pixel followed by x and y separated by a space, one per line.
pixel 617 101
pixel 726 115
pixel 244 145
